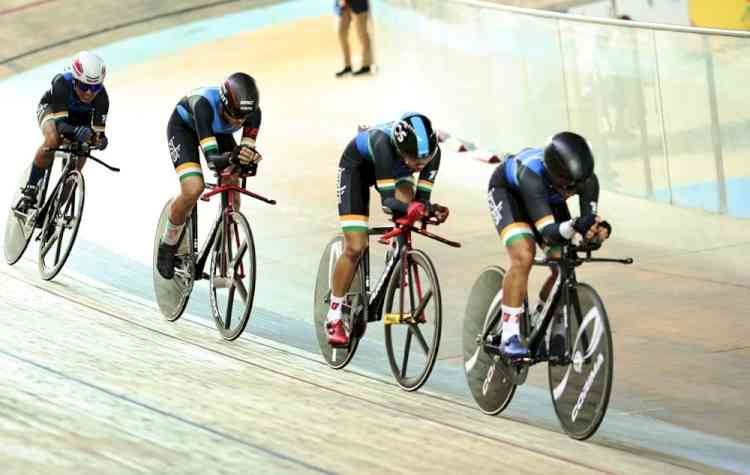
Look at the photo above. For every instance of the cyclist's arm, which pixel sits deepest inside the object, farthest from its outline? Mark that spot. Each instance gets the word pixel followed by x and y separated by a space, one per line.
pixel 427 178
pixel 101 109
pixel 534 195
pixel 203 115
pixel 385 180
pixel 56 99
pixel 251 128
pixel 589 197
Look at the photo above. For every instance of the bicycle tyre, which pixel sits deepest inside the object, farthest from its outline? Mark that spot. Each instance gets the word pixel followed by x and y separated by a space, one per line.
pixel 77 189
pixel 492 394
pixel 571 385
pixel 236 221
pixel 337 358
pixel 418 259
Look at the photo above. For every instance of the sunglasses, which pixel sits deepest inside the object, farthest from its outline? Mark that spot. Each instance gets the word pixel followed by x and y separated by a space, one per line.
pixel 94 88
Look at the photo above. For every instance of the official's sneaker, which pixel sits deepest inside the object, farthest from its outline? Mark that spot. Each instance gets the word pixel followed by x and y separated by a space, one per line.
pixel 362 71
pixel 165 260
pixel 513 349
pixel 337 333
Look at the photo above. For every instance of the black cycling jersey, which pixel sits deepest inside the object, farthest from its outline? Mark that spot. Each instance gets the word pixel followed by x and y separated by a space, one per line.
pixel 371 159
pixel 61 104
pixel 523 201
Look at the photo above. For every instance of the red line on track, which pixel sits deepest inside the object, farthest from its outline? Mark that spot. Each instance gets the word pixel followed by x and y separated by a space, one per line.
pixel 24 7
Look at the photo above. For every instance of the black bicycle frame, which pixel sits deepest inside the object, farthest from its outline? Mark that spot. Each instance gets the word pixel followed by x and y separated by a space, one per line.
pixel 375 299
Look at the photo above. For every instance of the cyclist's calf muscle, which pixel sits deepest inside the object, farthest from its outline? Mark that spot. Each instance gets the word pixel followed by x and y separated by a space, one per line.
pixel 521 252
pixel 191 188
pixel 355 244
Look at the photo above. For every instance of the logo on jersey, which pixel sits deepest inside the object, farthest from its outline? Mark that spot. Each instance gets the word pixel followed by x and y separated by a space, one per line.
pixel 340 189
pixel 104 118
pixel 432 176
pixel 495 208
pixel 594 205
pixel 174 150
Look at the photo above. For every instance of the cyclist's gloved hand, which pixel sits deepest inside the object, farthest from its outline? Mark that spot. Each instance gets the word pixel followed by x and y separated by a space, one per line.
pixel 102 142
pixel 583 224
pixel 440 212
pixel 248 155
pixel 604 225
pixel 83 134
pixel 416 211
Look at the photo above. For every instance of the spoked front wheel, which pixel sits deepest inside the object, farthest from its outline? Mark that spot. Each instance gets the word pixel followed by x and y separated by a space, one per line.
pixel 172 294
pixel 354 302
pixel 488 376
pixel 413 317
pixel 580 389
pixel 232 279
pixel 61 224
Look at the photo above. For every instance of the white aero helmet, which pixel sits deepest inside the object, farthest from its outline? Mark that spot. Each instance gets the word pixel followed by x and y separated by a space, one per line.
pixel 88 68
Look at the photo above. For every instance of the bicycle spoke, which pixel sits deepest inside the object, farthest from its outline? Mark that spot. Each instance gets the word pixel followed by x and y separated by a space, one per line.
pixel 407 348
pixel 230 302
pixel 238 259
pixel 425 300
pixel 240 288
pixel 58 247
pixel 420 338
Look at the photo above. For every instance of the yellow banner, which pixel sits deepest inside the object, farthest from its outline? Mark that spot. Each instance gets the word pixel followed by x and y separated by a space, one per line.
pixel 729 14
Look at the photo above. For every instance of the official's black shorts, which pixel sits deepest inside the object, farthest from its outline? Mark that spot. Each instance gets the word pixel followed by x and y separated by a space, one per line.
pixel 511 218
pixel 358 6
pixel 184 147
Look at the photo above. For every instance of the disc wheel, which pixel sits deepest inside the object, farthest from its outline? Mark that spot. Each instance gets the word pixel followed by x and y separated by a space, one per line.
pixel 172 294
pixel 19 227
pixel 581 388
pixel 488 377
pixel 354 304
pixel 232 278
pixel 61 224
pixel 413 305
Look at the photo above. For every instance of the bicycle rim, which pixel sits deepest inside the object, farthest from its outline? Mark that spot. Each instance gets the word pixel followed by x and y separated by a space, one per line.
pixel 488 377
pixel 336 358
pixel 61 225
pixel 172 294
pixel 413 345
pixel 232 277
pixel 581 389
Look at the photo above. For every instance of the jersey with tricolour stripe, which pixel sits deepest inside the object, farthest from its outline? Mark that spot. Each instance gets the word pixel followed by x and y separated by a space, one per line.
pixel 376 152
pixel 525 174
pixel 62 103
pixel 200 110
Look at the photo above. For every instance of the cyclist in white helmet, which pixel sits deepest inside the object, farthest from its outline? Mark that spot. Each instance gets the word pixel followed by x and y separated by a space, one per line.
pixel 74 109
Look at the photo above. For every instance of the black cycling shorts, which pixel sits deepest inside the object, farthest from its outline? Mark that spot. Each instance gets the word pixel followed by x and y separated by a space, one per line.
pixel 184 145
pixel 512 220
pixel 353 194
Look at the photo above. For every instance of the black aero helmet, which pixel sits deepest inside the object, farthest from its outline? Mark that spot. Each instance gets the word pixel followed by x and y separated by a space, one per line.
pixel 239 95
pixel 414 136
pixel 568 160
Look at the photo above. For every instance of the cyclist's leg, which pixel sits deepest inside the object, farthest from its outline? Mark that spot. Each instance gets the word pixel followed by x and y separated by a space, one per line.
pixel 361 16
pixel 354 205
pixel 518 237
pixel 183 149
pixel 42 157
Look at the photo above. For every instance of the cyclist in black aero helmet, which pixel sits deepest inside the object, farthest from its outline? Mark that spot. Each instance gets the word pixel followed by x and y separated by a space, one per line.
pixel 387 156
pixel 205 119
pixel 527 194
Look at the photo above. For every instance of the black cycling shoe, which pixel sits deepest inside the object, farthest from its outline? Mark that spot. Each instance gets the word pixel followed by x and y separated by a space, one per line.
pixel 27 200
pixel 165 260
